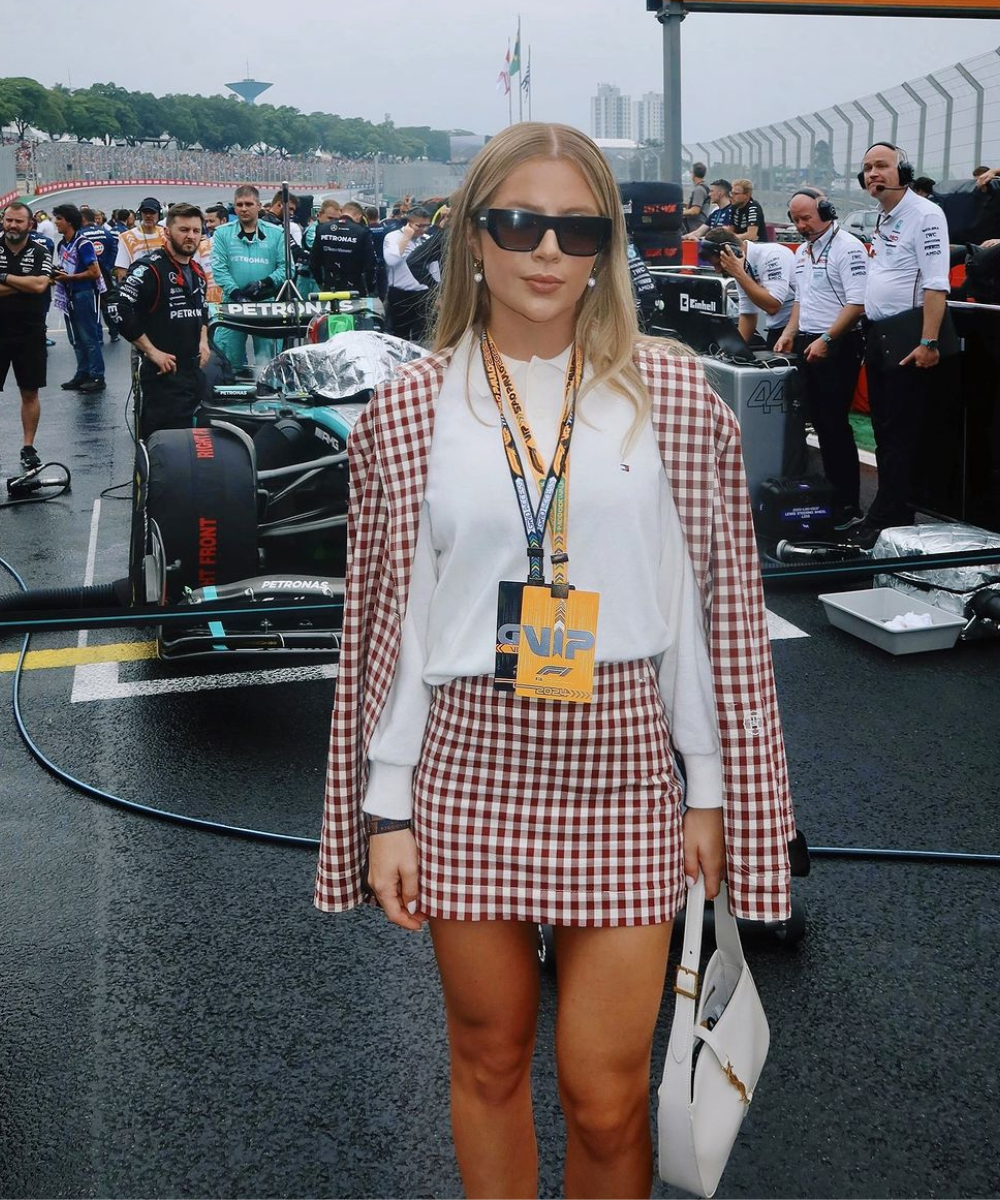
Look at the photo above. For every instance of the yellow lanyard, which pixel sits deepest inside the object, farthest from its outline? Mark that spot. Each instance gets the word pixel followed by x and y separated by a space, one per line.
pixel 553 483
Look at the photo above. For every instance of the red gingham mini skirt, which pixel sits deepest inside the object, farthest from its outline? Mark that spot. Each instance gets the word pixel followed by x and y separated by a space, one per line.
pixel 537 810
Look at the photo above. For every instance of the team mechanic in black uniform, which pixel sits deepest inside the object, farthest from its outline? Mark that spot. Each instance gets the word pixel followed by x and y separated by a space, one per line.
pixel 25 277
pixel 343 253
pixel 162 310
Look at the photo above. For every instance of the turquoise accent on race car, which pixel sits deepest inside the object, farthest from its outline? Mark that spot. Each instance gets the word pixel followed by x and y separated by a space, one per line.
pixel 326 416
pixel 215 628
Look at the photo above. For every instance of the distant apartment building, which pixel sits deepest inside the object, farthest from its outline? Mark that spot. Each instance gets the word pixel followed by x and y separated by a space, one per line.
pixel 610 113
pixel 648 124
pixel 613 115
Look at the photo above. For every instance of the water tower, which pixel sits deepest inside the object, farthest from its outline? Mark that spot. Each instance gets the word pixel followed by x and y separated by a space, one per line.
pixel 248 89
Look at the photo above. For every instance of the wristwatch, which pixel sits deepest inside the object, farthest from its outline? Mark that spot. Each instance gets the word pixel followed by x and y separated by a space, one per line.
pixel 3 276
pixel 930 343
pixel 375 825
pixel 825 337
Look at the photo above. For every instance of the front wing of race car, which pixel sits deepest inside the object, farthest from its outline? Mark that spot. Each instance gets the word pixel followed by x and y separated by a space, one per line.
pixel 250 623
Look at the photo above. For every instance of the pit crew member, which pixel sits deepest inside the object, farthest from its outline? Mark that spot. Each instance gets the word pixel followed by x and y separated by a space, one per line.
pixel 831 275
pixel 342 257
pixel 163 312
pixel 248 264
pixel 748 216
pixel 25 276
pixel 909 272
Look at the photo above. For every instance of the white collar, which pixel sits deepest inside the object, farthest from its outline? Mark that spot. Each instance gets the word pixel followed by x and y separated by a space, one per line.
pixel 469 347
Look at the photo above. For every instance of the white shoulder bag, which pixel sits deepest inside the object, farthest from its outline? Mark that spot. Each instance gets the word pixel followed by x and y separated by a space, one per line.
pixel 718 1044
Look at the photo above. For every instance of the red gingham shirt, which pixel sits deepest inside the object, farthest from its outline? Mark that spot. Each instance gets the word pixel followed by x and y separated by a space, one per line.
pixel 699 442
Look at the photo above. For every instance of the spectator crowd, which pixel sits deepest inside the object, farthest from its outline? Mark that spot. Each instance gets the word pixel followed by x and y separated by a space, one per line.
pixel 53 162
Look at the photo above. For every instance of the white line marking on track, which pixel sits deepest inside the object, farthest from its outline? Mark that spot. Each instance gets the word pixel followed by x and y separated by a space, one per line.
pixel 779 629
pixel 100 681
pixel 88 574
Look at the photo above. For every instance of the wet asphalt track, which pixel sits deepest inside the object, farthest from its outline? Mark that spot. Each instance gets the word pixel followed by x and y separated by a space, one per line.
pixel 176 1019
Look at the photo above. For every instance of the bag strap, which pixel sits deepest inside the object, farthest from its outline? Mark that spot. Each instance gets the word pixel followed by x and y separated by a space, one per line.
pixel 687 984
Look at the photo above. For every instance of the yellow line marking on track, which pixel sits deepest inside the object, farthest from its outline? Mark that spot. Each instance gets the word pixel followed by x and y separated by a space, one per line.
pixel 75 656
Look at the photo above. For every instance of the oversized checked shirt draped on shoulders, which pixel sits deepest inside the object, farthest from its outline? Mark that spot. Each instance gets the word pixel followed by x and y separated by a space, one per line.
pixel 698 440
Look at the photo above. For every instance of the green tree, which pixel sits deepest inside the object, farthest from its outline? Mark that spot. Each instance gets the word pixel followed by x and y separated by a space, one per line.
pixel 106 111
pixel 286 129
pixel 122 106
pixel 180 119
pixel 62 101
pixel 28 103
pixel 90 116
pixel 424 142
pixel 148 112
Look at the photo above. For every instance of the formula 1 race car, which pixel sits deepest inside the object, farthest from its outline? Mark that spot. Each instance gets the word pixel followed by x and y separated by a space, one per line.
pixel 251 506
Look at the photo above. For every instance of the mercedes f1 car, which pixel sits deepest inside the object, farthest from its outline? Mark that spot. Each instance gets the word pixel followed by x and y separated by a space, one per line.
pixel 251 506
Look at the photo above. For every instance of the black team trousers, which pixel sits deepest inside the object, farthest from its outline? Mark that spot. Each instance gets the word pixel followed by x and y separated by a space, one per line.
pixel 829 385
pixel 898 399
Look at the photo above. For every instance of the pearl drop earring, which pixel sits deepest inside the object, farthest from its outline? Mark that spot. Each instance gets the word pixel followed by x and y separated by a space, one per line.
pixel 477 268
pixel 592 281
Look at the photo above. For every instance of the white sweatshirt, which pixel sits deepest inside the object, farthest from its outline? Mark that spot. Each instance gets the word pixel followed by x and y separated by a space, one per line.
pixel 625 542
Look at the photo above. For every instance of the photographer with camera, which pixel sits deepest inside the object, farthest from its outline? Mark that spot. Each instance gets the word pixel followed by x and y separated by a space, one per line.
pixel 764 277
pixel 248 263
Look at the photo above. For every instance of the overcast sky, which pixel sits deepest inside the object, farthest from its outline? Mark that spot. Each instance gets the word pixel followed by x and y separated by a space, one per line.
pixel 435 62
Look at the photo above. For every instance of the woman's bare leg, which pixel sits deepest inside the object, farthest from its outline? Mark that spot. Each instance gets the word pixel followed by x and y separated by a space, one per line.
pixel 489 972
pixel 610 990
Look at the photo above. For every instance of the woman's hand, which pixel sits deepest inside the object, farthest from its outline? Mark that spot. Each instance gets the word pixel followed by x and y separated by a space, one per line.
pixel 392 876
pixel 704 848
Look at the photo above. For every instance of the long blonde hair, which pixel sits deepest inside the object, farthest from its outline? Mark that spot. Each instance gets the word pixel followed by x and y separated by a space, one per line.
pixel 607 328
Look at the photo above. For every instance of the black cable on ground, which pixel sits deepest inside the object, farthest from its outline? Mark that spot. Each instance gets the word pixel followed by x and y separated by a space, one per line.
pixel 130 426
pixel 133 806
pixel 115 487
pixel 33 485
pixel 937 856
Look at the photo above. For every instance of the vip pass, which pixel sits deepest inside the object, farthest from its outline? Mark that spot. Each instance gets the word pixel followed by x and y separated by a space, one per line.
pixel 546 634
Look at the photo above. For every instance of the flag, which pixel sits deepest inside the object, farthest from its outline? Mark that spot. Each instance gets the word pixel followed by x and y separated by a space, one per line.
pixel 526 79
pixel 503 79
pixel 515 63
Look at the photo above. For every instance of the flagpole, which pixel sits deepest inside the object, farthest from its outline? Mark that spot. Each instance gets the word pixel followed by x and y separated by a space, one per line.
pixel 520 90
pixel 510 100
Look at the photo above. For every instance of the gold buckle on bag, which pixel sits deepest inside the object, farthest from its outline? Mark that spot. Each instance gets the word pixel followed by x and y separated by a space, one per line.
pixel 680 991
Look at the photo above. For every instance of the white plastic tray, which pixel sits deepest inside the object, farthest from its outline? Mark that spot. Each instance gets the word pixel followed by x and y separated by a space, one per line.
pixel 863 613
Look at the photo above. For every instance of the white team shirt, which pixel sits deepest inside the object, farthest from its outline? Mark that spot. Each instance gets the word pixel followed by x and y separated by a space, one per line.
pixel 772 266
pixel 829 273
pixel 911 257
pixel 400 275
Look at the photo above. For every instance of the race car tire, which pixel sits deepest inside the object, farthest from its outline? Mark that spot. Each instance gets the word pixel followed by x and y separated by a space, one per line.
pixel 653 207
pixel 201 493
pixel 660 249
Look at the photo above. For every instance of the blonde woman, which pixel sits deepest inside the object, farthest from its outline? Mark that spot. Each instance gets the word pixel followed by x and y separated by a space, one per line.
pixel 551 491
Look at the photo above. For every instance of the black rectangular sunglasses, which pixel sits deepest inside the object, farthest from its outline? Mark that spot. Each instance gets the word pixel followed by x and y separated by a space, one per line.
pixel 521 231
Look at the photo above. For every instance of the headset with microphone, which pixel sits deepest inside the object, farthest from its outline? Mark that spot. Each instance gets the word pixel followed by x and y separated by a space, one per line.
pixel 903 166
pixel 824 207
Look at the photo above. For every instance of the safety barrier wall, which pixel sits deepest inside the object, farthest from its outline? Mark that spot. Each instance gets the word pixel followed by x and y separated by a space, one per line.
pixel 948 122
